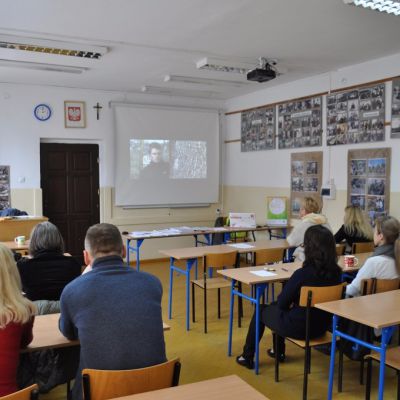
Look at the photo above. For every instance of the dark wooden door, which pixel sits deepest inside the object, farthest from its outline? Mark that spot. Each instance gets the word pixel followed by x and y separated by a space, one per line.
pixel 70 188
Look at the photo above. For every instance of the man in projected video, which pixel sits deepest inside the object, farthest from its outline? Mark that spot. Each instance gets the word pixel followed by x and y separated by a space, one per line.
pixel 157 168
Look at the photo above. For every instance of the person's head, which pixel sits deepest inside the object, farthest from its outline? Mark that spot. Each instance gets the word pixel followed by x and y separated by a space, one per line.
pixel 309 205
pixel 356 223
pixel 320 251
pixel 14 307
pixel 386 230
pixel 155 152
pixel 45 237
pixel 103 240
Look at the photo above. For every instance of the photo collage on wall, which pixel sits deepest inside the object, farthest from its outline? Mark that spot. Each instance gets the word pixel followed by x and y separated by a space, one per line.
pixel 300 123
pixel 306 176
pixel 356 116
pixel 258 129
pixel 369 182
pixel 396 109
pixel 4 187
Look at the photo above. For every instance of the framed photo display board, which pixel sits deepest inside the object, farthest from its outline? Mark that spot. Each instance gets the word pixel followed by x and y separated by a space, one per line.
pixel 368 183
pixel 258 129
pixel 356 116
pixel 305 178
pixel 300 123
pixel 5 201
pixel 395 109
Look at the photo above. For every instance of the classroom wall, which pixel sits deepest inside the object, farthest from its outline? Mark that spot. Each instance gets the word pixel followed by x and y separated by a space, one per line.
pixel 252 176
pixel 21 135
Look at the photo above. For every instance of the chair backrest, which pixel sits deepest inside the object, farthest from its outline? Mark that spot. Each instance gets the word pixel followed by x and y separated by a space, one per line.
pixel 311 295
pixel 219 260
pixel 267 256
pixel 374 285
pixel 362 247
pixel 340 248
pixel 29 393
pixel 102 384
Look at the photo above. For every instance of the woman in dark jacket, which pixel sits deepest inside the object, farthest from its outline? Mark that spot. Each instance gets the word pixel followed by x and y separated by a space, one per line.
pixel 47 270
pixel 285 317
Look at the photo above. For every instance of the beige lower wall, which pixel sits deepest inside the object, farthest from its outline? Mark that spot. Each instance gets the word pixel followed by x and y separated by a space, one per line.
pixel 236 199
pixel 254 199
pixel 30 200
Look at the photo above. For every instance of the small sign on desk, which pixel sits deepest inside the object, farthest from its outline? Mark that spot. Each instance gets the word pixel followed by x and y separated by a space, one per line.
pixel 242 220
pixel 277 213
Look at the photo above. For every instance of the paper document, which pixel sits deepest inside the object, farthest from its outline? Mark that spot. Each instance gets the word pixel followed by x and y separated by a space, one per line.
pixel 241 246
pixel 263 273
pixel 219 229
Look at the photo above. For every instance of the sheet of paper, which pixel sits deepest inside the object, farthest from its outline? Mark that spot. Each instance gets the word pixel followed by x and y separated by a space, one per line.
pixel 241 246
pixel 263 273
pixel 219 229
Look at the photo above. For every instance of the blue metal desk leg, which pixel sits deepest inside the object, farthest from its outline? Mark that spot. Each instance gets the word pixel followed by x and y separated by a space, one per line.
pixel 232 300
pixel 332 361
pixel 135 249
pixel 171 277
pixel 189 264
pixel 386 333
pixel 259 291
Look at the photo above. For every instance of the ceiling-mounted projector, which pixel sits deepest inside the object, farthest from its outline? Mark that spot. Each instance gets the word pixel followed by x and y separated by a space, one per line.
pixel 264 73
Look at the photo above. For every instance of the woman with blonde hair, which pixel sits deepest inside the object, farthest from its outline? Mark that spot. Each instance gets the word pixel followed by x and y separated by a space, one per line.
pixel 16 320
pixel 310 216
pixel 356 228
pixel 385 261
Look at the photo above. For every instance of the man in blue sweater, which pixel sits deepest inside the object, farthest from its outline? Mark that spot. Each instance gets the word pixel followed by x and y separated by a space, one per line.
pixel 113 310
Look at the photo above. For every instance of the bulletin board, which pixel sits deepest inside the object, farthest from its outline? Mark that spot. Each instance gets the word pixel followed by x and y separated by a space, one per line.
pixel 356 116
pixel 395 133
pixel 305 179
pixel 300 123
pixel 368 183
pixel 5 201
pixel 258 129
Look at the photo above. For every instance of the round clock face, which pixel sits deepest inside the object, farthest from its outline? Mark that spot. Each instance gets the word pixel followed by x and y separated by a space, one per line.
pixel 42 112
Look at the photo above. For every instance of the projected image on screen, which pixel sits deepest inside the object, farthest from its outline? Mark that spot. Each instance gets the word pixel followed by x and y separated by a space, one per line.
pixel 157 160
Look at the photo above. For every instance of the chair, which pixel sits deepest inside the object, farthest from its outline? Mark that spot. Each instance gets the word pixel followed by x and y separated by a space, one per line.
pixel 213 261
pixel 102 385
pixel 392 361
pixel 340 248
pixel 368 287
pixel 29 393
pixel 268 256
pixel 309 296
pixel 362 247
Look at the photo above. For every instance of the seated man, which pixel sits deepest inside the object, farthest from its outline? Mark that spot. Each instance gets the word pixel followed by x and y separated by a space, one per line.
pixel 114 310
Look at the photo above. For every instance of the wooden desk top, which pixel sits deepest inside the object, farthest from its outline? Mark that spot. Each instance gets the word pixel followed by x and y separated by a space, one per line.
pixel 376 310
pixel 47 335
pixel 283 271
pixel 229 387
pixel 206 230
pixel 195 252
pixel 14 246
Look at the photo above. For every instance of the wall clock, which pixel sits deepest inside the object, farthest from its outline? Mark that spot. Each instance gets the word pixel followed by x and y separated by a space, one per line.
pixel 42 112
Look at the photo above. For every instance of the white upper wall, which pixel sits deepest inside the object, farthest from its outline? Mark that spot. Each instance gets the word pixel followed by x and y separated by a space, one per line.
pixel 21 133
pixel 271 168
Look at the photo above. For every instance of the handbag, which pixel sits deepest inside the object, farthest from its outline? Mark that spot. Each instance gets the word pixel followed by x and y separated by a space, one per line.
pixel 352 350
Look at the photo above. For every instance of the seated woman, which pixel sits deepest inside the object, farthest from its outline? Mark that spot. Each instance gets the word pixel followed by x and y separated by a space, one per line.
pixel 47 271
pixel 16 320
pixel 385 261
pixel 309 214
pixel 356 228
pixel 286 317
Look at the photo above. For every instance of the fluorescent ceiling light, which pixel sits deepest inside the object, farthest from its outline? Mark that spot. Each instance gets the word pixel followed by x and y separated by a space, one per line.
pixel 203 81
pixel 48 46
pixel 177 92
pixel 388 6
pixel 42 67
pixel 218 64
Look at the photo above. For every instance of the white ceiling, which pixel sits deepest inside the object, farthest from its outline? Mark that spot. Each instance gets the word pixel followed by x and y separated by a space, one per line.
pixel 148 39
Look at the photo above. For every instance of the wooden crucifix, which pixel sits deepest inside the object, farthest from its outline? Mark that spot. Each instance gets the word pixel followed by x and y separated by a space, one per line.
pixel 98 107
